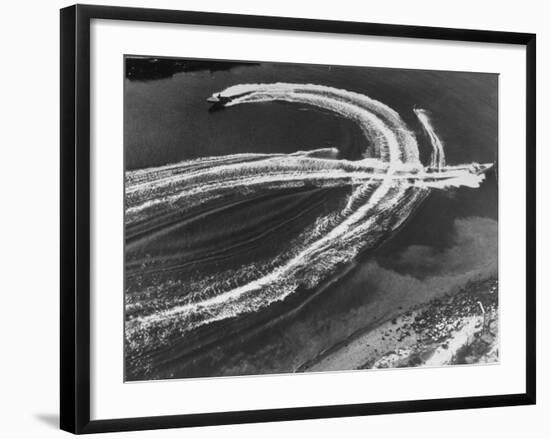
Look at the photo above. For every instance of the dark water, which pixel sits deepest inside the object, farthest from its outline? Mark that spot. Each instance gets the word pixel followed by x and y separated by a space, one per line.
pixel 450 238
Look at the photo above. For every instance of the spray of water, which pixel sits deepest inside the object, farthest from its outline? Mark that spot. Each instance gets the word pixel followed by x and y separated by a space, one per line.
pixel 385 188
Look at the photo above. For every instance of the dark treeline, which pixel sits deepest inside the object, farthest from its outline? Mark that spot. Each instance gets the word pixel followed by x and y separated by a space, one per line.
pixel 146 68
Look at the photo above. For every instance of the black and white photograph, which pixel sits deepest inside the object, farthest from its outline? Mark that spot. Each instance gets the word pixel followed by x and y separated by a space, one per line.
pixel 290 218
pixel 275 219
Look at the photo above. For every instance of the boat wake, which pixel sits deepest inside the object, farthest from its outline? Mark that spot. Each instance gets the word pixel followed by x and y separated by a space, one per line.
pixel 207 270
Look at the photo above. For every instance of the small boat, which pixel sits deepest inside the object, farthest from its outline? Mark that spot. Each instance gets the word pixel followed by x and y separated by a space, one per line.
pixel 219 100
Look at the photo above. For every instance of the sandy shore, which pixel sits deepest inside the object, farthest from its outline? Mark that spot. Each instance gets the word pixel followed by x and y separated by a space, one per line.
pixel 461 328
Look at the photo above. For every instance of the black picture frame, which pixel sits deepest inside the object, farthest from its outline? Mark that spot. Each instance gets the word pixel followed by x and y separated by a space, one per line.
pixel 75 217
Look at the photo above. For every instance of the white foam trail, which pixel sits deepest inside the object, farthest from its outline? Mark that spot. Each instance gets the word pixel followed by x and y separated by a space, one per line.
pixel 438 156
pixel 394 144
pixel 387 188
pixel 380 123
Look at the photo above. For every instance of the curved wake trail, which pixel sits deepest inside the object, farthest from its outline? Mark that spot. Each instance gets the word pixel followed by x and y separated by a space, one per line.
pixel 438 157
pixel 381 193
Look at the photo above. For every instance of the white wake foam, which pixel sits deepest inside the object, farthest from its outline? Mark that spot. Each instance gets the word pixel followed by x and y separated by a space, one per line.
pixel 387 188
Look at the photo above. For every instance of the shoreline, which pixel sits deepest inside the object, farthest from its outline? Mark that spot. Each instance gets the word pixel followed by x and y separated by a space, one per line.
pixel 460 328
